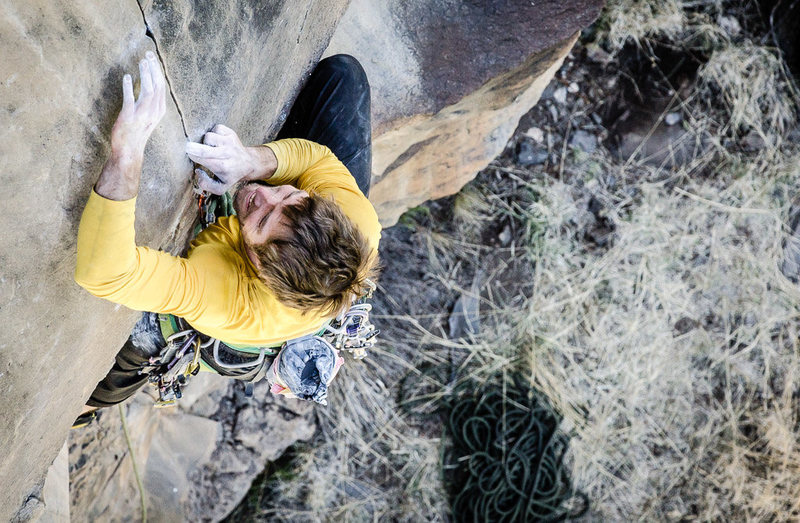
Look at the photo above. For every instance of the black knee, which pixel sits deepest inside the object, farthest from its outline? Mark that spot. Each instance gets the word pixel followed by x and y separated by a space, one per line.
pixel 343 67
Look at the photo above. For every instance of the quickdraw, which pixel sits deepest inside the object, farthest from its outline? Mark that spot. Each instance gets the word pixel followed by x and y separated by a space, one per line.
pixel 169 370
pixel 352 331
pixel 210 207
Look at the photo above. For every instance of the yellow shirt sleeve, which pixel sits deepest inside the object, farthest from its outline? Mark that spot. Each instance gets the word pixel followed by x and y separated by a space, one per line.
pixel 111 266
pixel 215 288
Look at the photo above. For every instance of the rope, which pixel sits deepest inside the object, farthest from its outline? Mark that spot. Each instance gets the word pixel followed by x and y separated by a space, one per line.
pixel 507 457
pixel 139 484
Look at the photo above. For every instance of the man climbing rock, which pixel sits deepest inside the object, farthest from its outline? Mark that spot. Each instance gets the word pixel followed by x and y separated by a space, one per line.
pixel 299 251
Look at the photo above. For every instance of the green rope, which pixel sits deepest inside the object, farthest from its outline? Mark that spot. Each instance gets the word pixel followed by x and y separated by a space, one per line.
pixel 139 484
pixel 506 458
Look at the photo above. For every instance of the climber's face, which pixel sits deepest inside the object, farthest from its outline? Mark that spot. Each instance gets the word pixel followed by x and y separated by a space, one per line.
pixel 260 210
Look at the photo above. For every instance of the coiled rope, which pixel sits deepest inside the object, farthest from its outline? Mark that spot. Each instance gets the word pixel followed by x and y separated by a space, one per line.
pixel 507 455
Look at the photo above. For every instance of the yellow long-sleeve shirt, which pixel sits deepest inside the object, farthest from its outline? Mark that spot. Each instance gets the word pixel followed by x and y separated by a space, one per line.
pixel 215 288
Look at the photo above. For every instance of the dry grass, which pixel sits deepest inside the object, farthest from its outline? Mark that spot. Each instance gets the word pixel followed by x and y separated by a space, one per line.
pixel 672 353
pixel 642 20
pixel 749 81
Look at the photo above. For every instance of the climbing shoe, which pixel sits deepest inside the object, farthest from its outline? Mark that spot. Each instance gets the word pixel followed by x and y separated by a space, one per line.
pixel 84 419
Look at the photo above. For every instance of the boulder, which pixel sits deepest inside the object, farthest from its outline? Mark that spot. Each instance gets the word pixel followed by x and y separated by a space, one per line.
pixel 450 81
pixel 239 63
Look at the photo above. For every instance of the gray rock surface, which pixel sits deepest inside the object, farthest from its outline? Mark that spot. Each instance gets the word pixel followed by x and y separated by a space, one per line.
pixel 55 491
pixel 450 81
pixel 526 154
pixel 645 137
pixel 239 63
pixel 255 431
pixel 583 140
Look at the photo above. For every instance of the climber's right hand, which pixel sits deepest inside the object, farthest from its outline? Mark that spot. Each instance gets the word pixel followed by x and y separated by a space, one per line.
pixel 223 153
pixel 137 119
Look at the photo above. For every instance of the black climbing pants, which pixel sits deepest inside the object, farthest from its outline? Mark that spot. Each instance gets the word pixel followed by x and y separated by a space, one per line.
pixel 333 109
pixel 124 379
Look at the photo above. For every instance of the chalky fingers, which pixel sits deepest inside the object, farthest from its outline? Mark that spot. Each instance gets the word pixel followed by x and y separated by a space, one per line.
pixel 159 83
pixel 145 80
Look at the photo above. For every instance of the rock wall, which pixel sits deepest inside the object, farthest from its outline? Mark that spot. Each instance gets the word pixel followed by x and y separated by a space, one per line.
pixel 237 62
pixel 450 81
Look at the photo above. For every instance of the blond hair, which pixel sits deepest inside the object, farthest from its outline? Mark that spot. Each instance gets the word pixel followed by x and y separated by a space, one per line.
pixel 323 265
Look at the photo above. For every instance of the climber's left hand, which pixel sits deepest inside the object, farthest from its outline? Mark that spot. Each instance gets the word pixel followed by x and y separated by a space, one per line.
pixel 138 118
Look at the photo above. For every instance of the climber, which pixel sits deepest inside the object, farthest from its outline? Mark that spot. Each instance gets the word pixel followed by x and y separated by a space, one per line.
pixel 299 252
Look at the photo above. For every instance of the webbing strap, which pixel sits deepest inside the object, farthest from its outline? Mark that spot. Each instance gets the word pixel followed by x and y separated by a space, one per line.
pixel 169 326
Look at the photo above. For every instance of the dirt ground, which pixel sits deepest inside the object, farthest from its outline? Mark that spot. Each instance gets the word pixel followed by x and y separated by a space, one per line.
pixel 624 255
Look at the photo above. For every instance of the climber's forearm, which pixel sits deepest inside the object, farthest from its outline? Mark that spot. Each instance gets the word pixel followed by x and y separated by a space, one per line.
pixel 120 177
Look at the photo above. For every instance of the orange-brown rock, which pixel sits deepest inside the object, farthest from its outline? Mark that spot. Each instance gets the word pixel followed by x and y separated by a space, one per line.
pixel 450 81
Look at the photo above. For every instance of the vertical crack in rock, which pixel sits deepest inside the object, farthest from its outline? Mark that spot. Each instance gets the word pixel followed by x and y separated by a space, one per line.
pixel 151 36
pixel 303 24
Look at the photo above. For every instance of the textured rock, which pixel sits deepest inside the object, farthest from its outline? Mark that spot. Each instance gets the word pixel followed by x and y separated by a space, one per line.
pixel 256 430
pixel 239 63
pixel 102 481
pixel 435 156
pixel 181 444
pixel 583 140
pixel 450 81
pixel 194 466
pixel 55 492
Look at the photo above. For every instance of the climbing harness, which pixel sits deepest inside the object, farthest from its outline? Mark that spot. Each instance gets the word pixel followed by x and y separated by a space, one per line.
pixel 187 350
pixel 169 371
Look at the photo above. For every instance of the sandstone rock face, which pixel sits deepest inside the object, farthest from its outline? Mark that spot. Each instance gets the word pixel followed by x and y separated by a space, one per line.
pixel 450 81
pixel 238 63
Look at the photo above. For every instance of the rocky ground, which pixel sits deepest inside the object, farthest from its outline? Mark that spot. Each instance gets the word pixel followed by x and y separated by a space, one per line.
pixel 195 460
